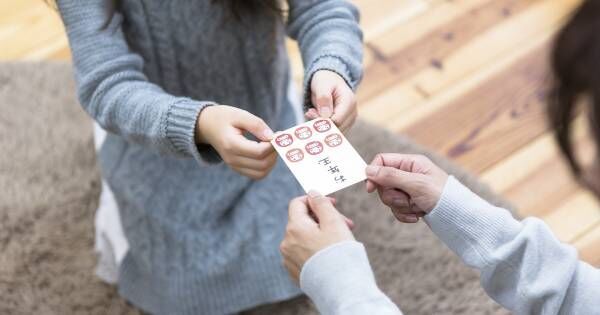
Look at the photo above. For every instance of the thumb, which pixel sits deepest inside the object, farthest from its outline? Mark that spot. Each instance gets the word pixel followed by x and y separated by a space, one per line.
pixel 254 125
pixel 390 177
pixel 322 99
pixel 326 213
pixel 298 212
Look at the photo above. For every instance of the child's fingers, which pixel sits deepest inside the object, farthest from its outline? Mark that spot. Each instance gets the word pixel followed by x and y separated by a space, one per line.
pixel 264 164
pixel 350 120
pixel 322 99
pixel 345 108
pixel 311 114
pixel 248 172
pixel 253 124
pixel 251 149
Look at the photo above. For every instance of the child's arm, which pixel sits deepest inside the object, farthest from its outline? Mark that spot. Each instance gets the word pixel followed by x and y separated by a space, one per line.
pixel 329 38
pixel 114 90
pixel 523 266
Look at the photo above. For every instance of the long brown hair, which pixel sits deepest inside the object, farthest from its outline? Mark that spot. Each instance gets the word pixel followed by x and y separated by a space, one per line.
pixel 576 66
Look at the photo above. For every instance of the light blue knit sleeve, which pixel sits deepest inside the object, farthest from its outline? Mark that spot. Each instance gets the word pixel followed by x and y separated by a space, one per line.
pixel 113 89
pixel 339 280
pixel 329 38
pixel 523 266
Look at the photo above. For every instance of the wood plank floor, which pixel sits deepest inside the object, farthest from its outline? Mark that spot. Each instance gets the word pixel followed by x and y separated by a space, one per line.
pixel 465 77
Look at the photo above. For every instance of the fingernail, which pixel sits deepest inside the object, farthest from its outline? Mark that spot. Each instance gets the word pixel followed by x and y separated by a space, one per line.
pixel 314 194
pixel 325 111
pixel 268 133
pixel 372 170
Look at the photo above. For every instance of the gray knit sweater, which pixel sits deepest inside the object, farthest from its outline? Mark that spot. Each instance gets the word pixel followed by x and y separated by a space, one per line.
pixel 203 239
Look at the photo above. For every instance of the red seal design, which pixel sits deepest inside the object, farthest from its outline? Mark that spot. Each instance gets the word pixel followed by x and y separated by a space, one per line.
pixel 322 125
pixel 294 155
pixel 284 140
pixel 314 147
pixel 333 140
pixel 303 133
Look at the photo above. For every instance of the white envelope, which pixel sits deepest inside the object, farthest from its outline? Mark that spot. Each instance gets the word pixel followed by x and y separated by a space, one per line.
pixel 319 156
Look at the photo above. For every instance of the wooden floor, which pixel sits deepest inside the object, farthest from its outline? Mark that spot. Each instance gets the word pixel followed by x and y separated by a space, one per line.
pixel 465 77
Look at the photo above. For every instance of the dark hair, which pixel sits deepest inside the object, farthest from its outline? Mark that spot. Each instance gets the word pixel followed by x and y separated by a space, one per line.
pixel 241 8
pixel 576 66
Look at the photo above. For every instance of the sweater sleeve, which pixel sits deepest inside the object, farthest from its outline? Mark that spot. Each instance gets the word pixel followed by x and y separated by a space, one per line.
pixel 339 280
pixel 523 266
pixel 113 89
pixel 329 38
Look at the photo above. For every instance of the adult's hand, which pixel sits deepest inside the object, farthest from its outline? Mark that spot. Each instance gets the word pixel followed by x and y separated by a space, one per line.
pixel 332 98
pixel 314 224
pixel 410 185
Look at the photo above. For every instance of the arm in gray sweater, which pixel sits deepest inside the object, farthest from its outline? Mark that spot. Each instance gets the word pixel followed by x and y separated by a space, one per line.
pixel 523 266
pixel 113 89
pixel 329 38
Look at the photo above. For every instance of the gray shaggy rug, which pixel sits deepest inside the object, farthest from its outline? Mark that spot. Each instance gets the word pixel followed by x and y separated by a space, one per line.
pixel 49 187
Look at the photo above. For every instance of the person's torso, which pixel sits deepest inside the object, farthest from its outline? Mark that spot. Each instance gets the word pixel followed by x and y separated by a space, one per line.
pixel 199 49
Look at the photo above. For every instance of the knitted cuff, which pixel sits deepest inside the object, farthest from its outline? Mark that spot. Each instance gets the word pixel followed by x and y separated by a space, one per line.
pixel 181 129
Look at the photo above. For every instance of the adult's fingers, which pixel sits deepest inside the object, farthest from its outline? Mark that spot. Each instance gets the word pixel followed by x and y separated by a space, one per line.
pixel 371 186
pixel 405 162
pixel 322 99
pixel 406 218
pixel 394 198
pixel 323 209
pixel 253 124
pixel 348 222
pixel 299 213
pixel 390 177
pixel 292 269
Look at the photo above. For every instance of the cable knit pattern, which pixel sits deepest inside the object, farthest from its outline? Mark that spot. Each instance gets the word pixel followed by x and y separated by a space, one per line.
pixel 203 239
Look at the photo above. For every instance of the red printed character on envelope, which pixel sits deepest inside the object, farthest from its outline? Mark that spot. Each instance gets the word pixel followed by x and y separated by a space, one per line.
pixel 319 156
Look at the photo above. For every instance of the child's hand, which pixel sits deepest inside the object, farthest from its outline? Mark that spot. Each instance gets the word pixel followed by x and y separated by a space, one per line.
pixel 314 224
pixel 331 95
pixel 223 127
pixel 410 185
